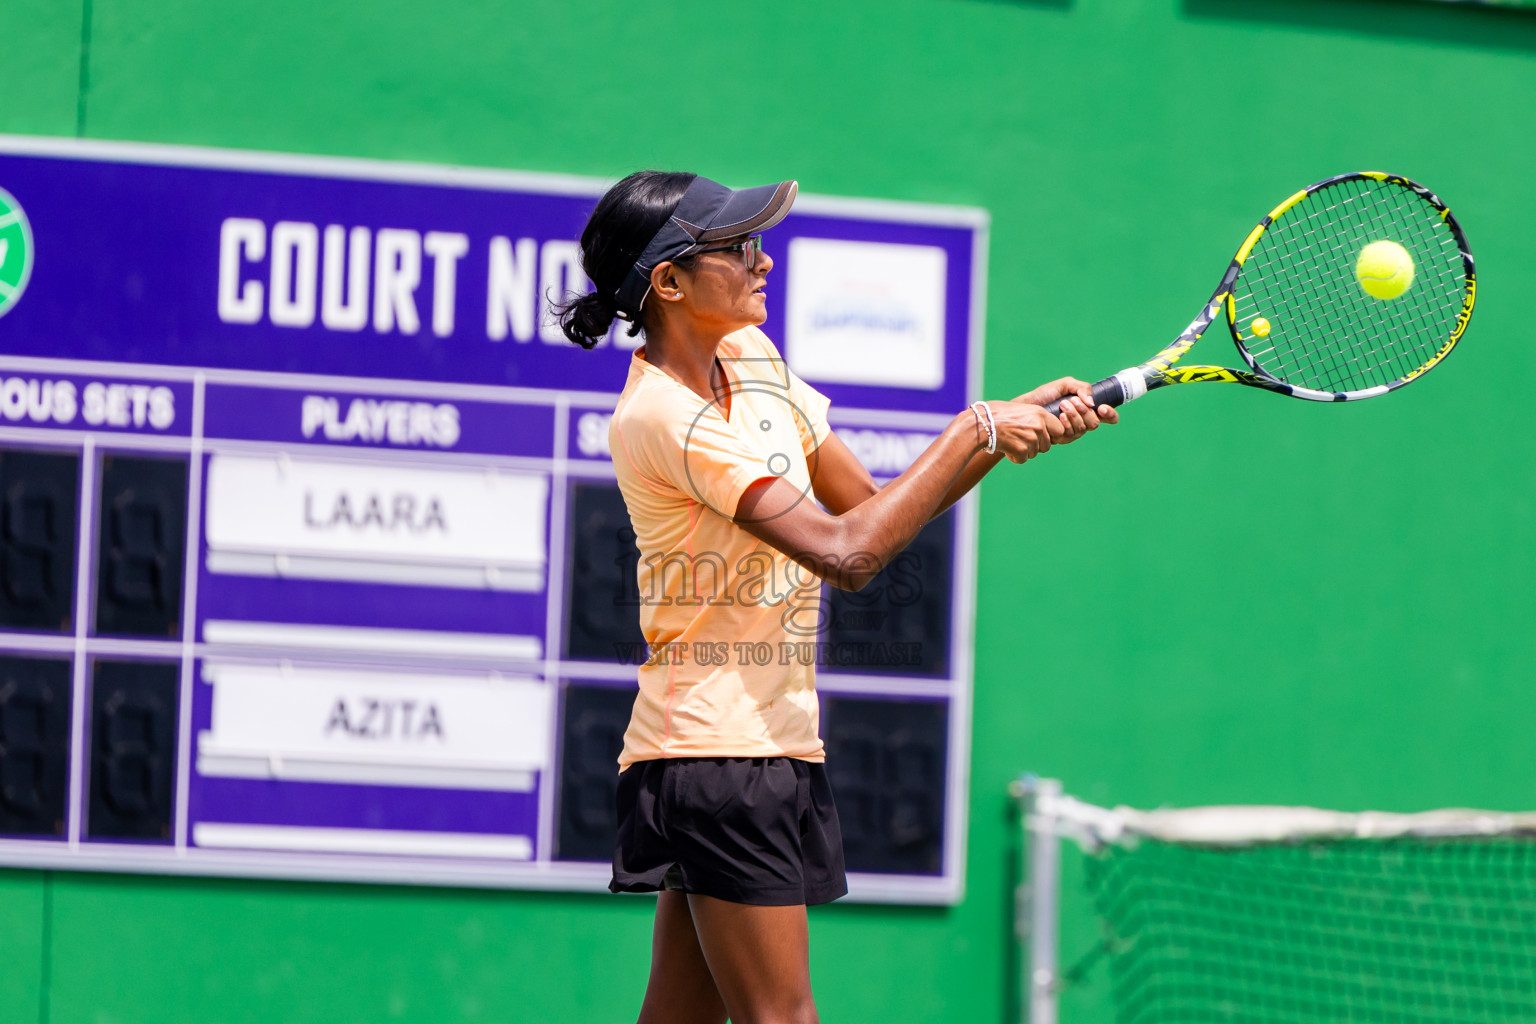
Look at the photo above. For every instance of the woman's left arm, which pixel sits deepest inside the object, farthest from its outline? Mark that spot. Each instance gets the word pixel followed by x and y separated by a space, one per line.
pixel 840 481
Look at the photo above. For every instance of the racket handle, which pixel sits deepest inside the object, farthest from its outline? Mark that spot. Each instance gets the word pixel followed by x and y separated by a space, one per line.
pixel 1108 391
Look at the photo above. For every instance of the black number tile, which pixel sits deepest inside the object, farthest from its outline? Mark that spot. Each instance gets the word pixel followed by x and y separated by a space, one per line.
pixel 133 750
pixel 34 745
pixel 887 761
pixel 591 736
pixel 39 516
pixel 141 545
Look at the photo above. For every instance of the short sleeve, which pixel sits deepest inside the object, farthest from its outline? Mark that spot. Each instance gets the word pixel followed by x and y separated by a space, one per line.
pixel 696 451
pixel 812 406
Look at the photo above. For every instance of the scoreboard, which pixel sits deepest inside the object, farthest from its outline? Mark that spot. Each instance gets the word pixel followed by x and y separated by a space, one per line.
pixel 312 562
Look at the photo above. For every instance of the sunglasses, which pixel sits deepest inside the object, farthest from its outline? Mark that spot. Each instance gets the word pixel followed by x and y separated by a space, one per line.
pixel 748 247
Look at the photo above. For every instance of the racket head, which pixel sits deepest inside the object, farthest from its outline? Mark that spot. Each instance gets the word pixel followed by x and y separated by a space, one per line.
pixel 1327 338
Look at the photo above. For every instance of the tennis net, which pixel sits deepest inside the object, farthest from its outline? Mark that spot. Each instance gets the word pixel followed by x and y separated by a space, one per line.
pixel 1253 915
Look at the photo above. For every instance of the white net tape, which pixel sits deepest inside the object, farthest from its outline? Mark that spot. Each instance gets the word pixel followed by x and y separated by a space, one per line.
pixel 1094 827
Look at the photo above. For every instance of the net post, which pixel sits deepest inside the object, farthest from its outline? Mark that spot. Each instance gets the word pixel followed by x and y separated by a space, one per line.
pixel 1036 900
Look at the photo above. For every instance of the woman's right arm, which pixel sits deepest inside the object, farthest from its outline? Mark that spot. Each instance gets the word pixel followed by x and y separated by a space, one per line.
pixel 849 550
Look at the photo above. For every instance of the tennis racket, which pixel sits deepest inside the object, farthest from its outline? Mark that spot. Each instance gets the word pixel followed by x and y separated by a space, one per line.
pixel 1301 297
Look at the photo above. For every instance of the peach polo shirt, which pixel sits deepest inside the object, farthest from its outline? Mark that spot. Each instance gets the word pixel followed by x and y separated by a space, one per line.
pixel 727 617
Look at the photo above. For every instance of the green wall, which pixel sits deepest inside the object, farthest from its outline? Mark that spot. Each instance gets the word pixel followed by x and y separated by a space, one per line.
pixel 1230 598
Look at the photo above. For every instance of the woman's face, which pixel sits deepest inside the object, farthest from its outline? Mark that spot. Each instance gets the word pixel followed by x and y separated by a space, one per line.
pixel 720 292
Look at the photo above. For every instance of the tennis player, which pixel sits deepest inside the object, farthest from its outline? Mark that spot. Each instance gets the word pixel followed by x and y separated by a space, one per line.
pixel 723 803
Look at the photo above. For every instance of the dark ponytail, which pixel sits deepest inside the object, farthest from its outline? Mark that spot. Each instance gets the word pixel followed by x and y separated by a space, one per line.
pixel 622 224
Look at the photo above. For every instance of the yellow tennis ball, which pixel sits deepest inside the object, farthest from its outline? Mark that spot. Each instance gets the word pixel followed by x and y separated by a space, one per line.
pixel 1259 327
pixel 1384 269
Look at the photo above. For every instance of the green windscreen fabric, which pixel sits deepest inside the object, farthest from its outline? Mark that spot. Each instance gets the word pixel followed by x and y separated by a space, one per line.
pixel 1399 932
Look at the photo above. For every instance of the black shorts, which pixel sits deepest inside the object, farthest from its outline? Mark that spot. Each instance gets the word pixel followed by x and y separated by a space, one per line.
pixel 759 830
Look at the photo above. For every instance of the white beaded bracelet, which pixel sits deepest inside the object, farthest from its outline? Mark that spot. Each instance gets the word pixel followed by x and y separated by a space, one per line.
pixel 981 410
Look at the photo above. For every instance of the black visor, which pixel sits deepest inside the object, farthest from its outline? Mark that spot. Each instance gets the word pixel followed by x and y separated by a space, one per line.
pixel 708 212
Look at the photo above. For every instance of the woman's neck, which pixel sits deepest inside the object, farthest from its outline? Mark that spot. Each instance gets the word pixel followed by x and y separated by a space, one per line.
pixel 687 356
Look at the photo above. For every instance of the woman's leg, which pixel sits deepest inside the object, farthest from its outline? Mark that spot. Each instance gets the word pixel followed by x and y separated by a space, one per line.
pixel 759 958
pixel 681 990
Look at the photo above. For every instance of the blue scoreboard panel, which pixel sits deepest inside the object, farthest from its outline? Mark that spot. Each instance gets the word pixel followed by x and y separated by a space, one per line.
pixel 312 563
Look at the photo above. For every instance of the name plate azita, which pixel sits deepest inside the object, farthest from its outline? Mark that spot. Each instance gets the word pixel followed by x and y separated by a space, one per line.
pixel 415 729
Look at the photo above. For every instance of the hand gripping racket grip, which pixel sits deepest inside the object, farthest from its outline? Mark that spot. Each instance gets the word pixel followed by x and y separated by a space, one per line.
pixel 1110 391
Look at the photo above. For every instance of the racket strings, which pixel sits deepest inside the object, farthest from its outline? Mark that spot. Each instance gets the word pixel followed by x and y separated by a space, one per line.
pixel 1339 367
pixel 1331 366
pixel 1404 359
pixel 1326 332
pixel 1379 363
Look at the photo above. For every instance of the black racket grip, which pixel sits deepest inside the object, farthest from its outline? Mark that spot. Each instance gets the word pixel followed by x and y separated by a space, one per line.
pixel 1106 392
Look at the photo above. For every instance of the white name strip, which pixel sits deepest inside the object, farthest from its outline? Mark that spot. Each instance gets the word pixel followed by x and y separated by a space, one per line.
pixel 371 640
pixel 362 840
pixel 278 516
pixel 321 725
